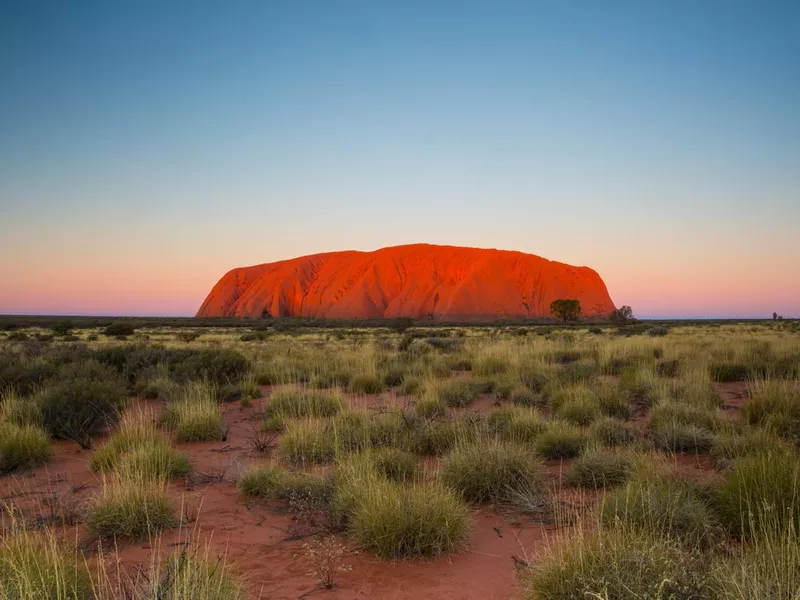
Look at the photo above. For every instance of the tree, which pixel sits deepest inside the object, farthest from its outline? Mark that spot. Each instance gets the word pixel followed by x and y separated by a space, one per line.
pixel 566 309
pixel 774 316
pixel 623 314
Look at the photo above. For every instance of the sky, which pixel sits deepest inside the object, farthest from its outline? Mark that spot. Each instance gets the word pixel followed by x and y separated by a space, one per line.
pixel 146 148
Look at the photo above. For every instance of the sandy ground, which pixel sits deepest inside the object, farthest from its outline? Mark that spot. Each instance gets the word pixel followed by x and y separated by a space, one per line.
pixel 264 542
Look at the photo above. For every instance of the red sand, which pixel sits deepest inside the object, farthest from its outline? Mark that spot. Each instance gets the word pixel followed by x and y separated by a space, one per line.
pixel 419 281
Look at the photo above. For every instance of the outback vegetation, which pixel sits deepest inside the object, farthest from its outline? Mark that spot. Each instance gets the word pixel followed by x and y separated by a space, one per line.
pixel 626 460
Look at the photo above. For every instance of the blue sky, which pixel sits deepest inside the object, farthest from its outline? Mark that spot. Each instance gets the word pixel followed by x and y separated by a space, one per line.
pixel 148 147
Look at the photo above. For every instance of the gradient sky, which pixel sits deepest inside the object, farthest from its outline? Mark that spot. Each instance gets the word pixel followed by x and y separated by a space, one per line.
pixel 148 147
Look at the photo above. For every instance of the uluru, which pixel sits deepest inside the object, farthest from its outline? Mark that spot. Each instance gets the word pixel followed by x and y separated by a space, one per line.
pixel 421 281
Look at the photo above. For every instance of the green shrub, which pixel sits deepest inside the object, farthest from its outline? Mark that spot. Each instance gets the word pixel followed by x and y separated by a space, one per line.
pixel 265 481
pixel 535 378
pixel 618 564
pixel 215 365
pixel 732 446
pixel 489 366
pixel 600 468
pixel 119 330
pixel 490 471
pixel 22 447
pixel 84 401
pixel 761 495
pixel 684 439
pixel 131 509
pixel 560 440
pixel 366 384
pixel 515 423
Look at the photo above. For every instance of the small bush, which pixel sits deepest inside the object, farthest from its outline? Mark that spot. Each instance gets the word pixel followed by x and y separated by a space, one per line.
pixel 429 407
pixel 732 446
pixel 684 439
pixel 131 509
pixel 490 471
pixel 599 468
pixel 266 481
pixel 119 330
pixel 84 402
pixel 138 452
pixel 560 440
pixel 217 366
pixel 524 397
pixel 20 411
pixel 22 447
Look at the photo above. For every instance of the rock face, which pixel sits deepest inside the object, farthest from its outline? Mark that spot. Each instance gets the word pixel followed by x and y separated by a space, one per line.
pixel 446 283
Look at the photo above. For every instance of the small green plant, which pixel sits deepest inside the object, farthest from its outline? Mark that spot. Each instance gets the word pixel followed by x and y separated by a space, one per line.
pixel 307 442
pixel 366 384
pixel 195 415
pixel 298 403
pixel 776 406
pixel 515 423
pixel 326 556
pixel 612 432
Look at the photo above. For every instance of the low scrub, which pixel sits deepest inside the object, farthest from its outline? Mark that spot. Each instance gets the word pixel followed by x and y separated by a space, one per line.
pixel 307 442
pixel 366 384
pixel 608 431
pixel 776 406
pixel 438 437
pixel 457 392
pixel 195 415
pixel 138 452
pixel 299 403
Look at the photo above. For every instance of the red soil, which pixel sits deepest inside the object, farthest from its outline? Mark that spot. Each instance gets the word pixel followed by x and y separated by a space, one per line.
pixel 418 281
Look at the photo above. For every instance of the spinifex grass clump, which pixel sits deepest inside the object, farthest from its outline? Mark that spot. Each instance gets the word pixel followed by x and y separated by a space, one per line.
pixel 195 415
pixel 761 495
pixel 661 505
pixel 366 383
pixel 436 438
pixel 560 440
pixel 298 403
pixel 490 471
pixel 681 427
pixel 137 450
pixel 307 442
pixel 457 392
pixel 20 410
pixel 35 564
pixel 272 482
pixel 618 563
pixel 729 447
pixel 516 423
pixel 776 406
pixel 131 508
pixel 612 432
pixel 600 468
pixel 22 447
pixel 396 520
